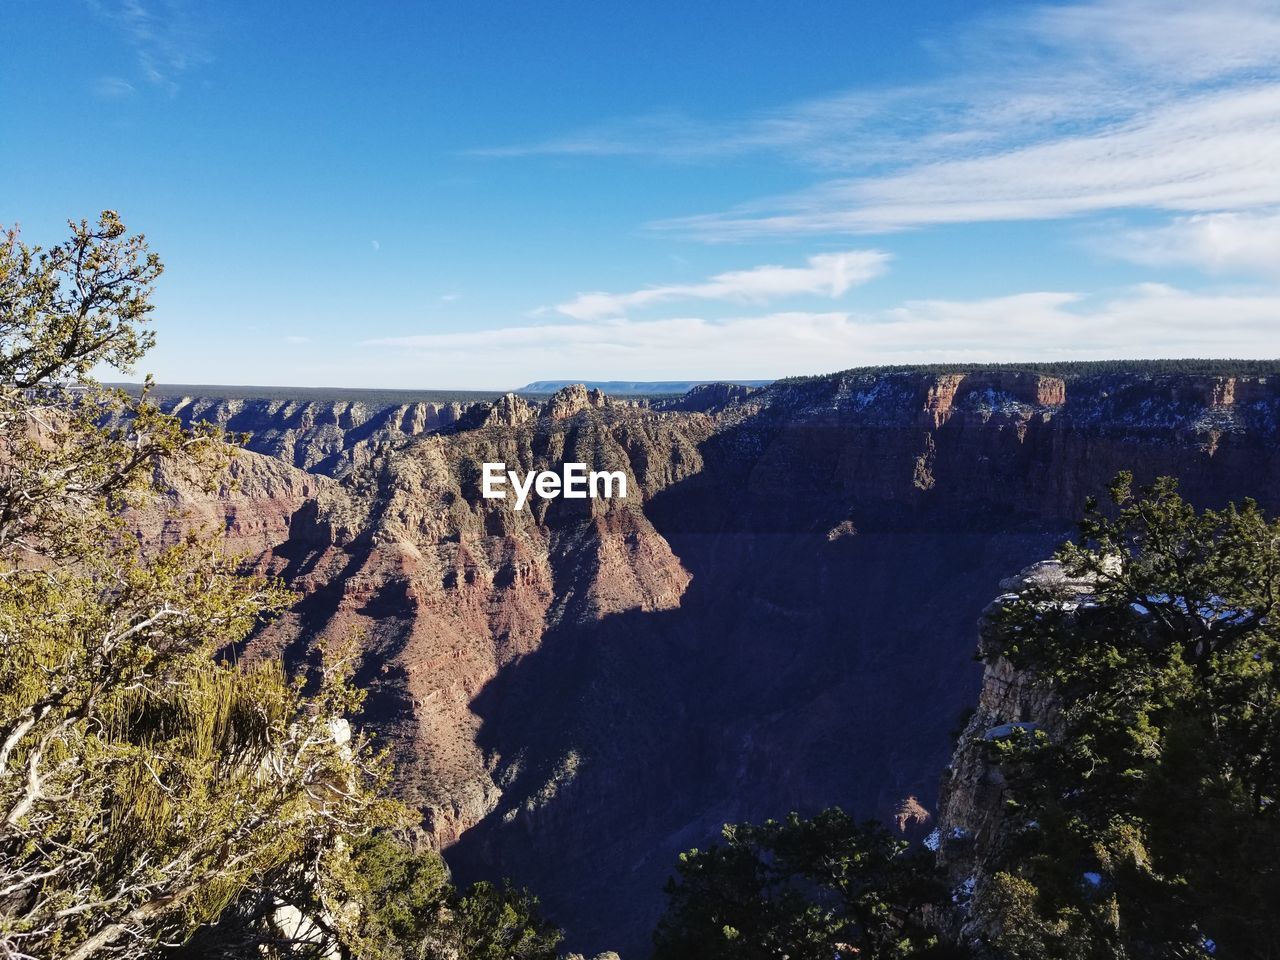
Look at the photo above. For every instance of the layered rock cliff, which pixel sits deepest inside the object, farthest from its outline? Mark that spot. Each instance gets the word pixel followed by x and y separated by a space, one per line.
pixel 253 504
pixel 331 437
pixel 779 616
pixel 328 437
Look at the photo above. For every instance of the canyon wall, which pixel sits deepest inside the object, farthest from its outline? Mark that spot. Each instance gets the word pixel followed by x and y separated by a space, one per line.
pixel 328 437
pixel 779 616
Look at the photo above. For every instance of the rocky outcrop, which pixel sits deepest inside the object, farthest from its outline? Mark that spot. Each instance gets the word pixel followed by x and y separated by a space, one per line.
pixel 708 397
pixel 972 829
pixel 565 403
pixel 508 410
pixel 942 393
pixel 253 503
pixel 779 616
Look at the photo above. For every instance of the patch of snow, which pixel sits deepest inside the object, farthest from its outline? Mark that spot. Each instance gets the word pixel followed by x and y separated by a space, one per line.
pixel 1003 730
pixel 1213 610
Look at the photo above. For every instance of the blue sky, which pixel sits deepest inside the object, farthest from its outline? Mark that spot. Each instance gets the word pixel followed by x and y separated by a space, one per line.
pixel 454 195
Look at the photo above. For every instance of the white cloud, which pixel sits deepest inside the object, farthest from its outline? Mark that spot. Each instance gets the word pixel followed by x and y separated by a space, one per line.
pixel 1149 320
pixel 1179 40
pixel 827 274
pixel 1219 151
pixel 1217 242
pixel 297 339
pixel 1054 110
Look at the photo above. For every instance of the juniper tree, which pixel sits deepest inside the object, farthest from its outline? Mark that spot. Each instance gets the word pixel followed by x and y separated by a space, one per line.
pixel 144 784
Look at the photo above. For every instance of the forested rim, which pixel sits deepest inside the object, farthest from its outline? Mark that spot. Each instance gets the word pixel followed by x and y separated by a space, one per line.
pixel 1071 369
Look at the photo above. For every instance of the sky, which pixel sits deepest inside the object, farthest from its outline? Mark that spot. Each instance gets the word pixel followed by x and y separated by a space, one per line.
pixel 474 195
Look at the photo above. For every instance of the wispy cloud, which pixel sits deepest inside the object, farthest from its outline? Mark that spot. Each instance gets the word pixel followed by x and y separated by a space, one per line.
pixel 885 124
pixel 827 274
pixel 1142 321
pixel 1216 152
pixel 112 88
pixel 1006 79
pixel 297 339
pixel 1052 111
pixel 163 35
pixel 1217 242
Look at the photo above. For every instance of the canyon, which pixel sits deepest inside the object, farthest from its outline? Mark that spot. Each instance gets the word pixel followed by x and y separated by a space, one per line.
pixel 781 615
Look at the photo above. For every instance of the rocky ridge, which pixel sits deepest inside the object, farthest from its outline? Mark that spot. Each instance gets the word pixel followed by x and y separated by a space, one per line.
pixel 334 437
pixel 317 436
pixel 253 505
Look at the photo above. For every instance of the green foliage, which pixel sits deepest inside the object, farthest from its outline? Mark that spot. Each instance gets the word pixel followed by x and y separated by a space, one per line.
pixel 1022 925
pixel 146 784
pixel 1154 799
pixel 403 896
pixel 401 905
pixel 501 923
pixel 142 784
pixel 816 889
pixel 78 304
pixel 72 453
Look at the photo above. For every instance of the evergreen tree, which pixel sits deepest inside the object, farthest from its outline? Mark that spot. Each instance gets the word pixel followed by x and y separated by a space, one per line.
pixel 1149 812
pixel 801 889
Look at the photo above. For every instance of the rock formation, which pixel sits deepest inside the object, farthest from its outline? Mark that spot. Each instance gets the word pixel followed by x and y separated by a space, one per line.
pixel 254 505
pixel 323 437
pixel 971 830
